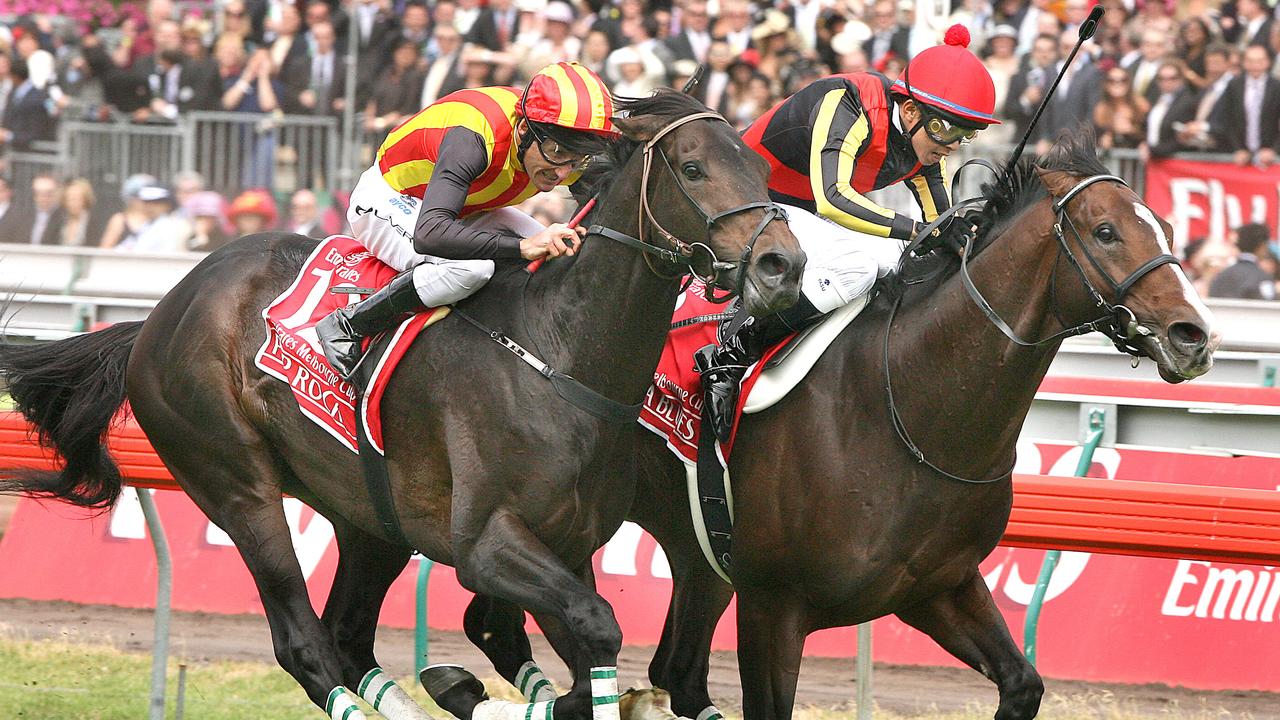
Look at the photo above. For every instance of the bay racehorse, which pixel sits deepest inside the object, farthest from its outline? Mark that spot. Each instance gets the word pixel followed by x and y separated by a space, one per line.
pixel 490 470
pixel 883 479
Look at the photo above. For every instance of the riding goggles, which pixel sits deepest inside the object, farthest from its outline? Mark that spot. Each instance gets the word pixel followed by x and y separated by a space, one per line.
pixel 943 132
pixel 556 155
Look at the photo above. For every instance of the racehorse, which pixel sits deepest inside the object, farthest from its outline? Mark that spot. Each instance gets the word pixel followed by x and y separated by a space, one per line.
pixel 882 480
pixel 491 471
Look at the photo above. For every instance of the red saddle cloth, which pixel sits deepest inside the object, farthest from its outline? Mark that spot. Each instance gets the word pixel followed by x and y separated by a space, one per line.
pixel 292 352
pixel 673 405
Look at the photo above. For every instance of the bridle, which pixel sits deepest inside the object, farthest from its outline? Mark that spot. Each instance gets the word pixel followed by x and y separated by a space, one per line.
pixel 1117 322
pixel 696 259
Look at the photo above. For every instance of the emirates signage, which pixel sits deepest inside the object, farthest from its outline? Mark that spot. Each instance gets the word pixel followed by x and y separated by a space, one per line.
pixel 1108 618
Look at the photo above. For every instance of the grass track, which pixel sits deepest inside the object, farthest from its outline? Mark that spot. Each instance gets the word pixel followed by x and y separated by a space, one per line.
pixel 80 681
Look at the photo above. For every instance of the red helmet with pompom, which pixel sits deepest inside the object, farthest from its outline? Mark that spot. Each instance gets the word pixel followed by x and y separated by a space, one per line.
pixel 950 79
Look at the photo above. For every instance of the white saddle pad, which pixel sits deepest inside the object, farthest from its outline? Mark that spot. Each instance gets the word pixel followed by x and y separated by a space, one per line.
pixel 776 382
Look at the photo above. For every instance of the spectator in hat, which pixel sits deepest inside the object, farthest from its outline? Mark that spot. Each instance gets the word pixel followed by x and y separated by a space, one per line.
pixel 253 211
pixel 557 42
pixel 1002 62
pixel 127 222
pixel 163 230
pixel 634 73
pixel 777 43
pixel 206 211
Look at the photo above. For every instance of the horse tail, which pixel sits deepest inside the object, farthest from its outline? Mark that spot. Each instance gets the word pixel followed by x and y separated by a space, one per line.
pixel 70 390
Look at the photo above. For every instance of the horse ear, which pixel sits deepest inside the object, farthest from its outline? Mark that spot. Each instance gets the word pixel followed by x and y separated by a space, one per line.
pixel 639 129
pixel 1058 182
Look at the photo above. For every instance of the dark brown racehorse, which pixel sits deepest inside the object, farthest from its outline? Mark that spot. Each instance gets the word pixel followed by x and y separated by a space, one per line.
pixel 837 522
pixel 491 471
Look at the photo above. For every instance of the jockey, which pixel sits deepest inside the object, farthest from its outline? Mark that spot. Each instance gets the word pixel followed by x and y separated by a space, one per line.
pixel 833 140
pixel 437 203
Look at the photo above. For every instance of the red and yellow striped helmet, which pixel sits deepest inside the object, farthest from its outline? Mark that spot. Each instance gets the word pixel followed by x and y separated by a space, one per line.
pixel 571 96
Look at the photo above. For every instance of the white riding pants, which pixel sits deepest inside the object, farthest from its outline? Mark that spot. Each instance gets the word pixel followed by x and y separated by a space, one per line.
pixel 843 264
pixel 384 220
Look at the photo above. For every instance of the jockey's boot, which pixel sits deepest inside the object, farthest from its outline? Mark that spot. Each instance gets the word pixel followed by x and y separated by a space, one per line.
pixel 722 366
pixel 342 330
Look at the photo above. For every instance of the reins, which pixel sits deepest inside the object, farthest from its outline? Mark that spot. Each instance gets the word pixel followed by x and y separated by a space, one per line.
pixel 1113 323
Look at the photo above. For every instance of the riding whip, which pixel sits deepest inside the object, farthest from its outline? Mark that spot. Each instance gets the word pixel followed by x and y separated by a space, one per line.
pixel 532 267
pixel 1087 28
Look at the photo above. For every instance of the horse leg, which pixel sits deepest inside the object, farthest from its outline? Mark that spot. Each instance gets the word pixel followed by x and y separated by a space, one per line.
pixel 966 623
pixel 683 658
pixel 497 628
pixel 771 633
pixel 254 519
pixel 505 559
pixel 367 566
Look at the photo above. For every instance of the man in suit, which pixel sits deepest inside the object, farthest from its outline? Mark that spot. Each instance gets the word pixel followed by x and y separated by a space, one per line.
pixel 377 27
pixel 1028 86
pixel 694 39
pixel 887 34
pixel 495 26
pixel 713 91
pixel 26 115
pixel 1073 102
pixel 1253 26
pixel 304 215
pixel 735 24
pixel 1174 107
pixel 1245 280
pixel 42 223
pixel 444 72
pixel 1152 50
pixel 324 75
pixel 1198 133
pixel 1250 108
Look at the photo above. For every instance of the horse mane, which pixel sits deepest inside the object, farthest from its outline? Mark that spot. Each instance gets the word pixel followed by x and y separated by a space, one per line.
pixel 1005 199
pixel 604 168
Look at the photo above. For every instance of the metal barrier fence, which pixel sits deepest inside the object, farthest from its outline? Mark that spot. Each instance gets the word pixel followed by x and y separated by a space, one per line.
pixel 233 151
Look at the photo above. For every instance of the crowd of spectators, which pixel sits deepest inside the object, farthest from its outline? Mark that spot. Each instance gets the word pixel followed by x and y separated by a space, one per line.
pixel 1161 77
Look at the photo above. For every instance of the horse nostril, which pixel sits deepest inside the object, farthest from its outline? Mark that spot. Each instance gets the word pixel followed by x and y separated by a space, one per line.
pixel 773 266
pixel 1188 337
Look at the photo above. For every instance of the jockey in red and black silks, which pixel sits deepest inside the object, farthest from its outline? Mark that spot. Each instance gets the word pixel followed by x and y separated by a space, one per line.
pixel 829 144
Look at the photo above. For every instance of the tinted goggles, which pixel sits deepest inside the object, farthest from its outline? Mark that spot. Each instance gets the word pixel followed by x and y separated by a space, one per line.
pixel 944 132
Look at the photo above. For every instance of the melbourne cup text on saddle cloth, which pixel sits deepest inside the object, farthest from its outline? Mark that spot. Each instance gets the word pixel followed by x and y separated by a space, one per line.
pixel 673 405
pixel 292 352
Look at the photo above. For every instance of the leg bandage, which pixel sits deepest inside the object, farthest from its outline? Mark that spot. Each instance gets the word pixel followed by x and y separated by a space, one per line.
pixel 388 698
pixel 340 706
pixel 533 684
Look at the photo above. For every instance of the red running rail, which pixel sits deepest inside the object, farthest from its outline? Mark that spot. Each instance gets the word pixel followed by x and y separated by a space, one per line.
pixel 1119 517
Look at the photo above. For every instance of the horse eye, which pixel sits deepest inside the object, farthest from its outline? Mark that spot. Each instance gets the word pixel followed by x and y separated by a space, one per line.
pixel 691 170
pixel 1105 234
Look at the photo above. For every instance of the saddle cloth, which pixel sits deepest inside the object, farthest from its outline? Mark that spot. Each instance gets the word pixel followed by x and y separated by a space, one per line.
pixel 292 352
pixel 673 405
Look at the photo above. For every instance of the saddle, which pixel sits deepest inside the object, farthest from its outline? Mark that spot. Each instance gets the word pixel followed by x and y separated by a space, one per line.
pixel 673 407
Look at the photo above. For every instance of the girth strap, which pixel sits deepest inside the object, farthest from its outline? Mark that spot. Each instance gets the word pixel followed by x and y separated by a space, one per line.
pixel 566 386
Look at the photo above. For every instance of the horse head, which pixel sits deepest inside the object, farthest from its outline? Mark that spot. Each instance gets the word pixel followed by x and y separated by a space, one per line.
pixel 1121 251
pixel 735 238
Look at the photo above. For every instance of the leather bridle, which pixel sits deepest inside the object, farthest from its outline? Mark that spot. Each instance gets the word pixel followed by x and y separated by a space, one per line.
pixel 697 258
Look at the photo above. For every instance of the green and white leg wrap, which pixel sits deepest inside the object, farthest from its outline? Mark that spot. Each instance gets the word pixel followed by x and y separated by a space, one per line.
pixel 533 685
pixel 604 693
pixel 503 710
pixel 388 698
pixel 340 706
pixel 710 712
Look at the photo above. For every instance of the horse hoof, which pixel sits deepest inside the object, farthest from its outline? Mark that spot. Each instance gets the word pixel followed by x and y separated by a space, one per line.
pixel 646 704
pixel 453 688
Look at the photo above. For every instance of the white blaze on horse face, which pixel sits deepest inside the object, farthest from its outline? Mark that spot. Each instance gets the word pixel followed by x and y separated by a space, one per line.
pixel 1188 291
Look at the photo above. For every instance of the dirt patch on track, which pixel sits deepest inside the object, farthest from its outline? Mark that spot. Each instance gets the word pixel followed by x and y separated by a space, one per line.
pixel 824 682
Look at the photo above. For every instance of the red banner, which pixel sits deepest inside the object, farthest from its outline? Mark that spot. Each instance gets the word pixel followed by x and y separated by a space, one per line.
pixel 1204 199
pixel 1107 618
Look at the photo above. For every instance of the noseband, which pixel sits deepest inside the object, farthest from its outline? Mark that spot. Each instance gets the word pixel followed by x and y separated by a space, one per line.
pixel 1117 322
pixel 697 258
